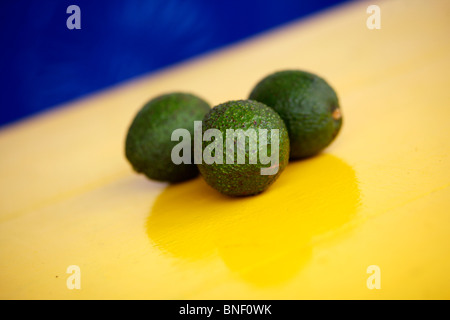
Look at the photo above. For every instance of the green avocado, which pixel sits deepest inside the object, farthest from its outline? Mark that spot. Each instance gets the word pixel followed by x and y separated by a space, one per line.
pixel 308 105
pixel 245 139
pixel 148 143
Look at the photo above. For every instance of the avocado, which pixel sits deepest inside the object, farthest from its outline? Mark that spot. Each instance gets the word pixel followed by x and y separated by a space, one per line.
pixel 242 166
pixel 308 105
pixel 148 143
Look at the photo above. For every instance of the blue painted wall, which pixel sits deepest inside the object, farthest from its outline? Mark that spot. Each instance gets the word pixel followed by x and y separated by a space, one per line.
pixel 43 63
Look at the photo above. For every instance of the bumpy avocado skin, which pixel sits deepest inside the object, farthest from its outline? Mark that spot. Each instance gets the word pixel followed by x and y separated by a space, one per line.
pixel 148 143
pixel 243 179
pixel 308 105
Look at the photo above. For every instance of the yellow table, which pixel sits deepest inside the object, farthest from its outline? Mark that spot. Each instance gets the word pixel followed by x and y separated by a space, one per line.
pixel 378 196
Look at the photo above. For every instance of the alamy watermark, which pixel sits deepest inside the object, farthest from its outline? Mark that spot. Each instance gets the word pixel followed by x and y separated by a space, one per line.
pixel 74 280
pixel 374 20
pixel 235 144
pixel 374 280
pixel 74 20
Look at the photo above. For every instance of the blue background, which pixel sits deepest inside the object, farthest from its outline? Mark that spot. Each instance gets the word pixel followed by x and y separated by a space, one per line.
pixel 43 63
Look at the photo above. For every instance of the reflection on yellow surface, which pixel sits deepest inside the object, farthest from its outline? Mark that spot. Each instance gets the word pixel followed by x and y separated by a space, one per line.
pixel 270 243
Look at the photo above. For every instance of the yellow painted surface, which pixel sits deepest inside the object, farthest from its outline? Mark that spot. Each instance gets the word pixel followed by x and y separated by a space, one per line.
pixel 379 195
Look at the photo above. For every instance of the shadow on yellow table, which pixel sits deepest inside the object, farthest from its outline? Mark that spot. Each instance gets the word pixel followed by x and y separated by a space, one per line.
pixel 266 238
